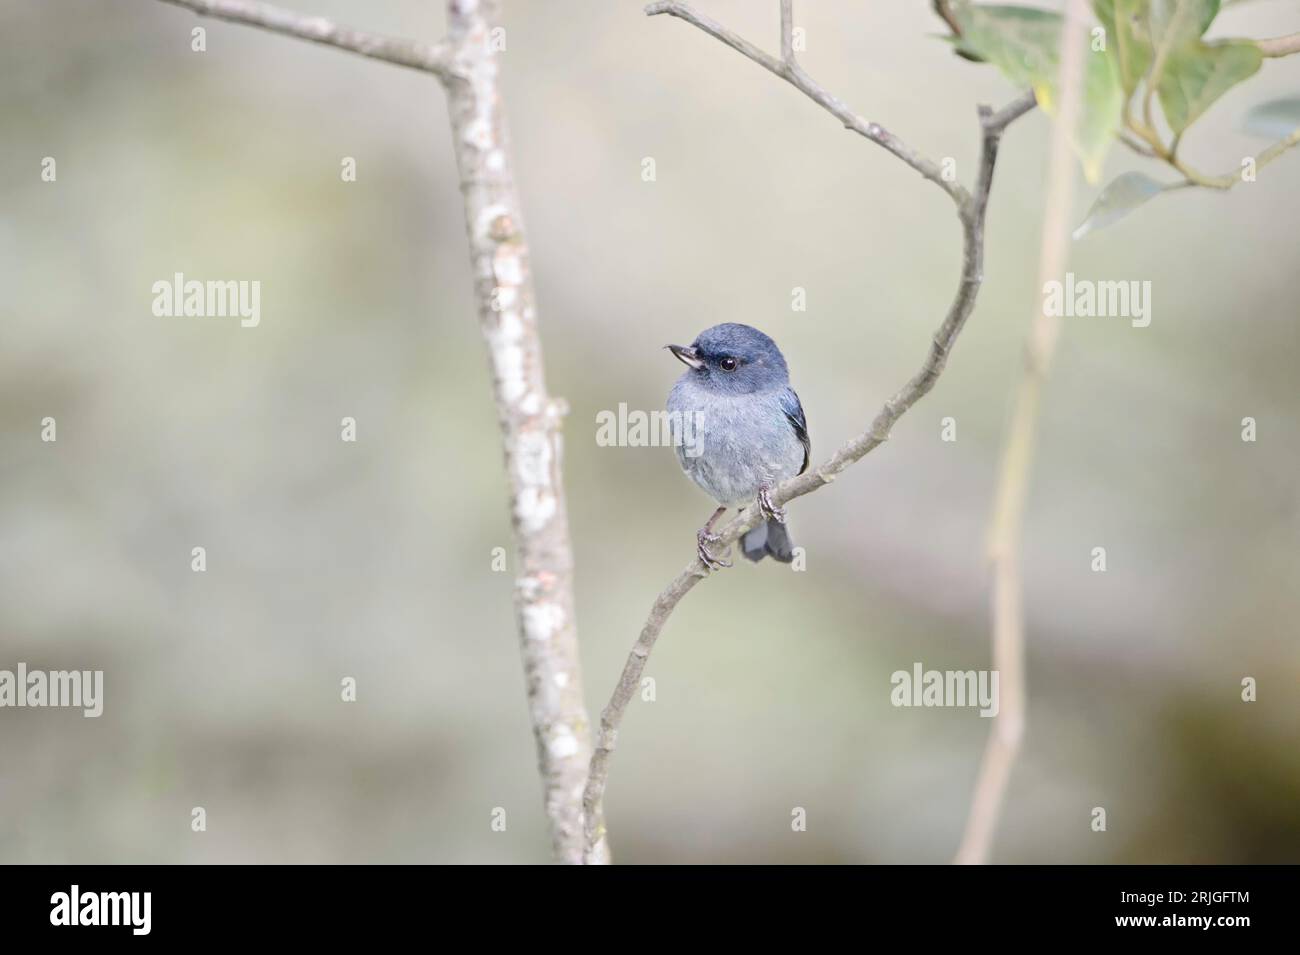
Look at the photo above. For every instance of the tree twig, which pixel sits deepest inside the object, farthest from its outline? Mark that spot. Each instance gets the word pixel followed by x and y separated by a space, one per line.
pixel 787 31
pixel 431 58
pixel 944 11
pixel 1007 605
pixel 529 417
pixel 1280 45
pixel 790 71
pixel 971 211
pixel 1230 179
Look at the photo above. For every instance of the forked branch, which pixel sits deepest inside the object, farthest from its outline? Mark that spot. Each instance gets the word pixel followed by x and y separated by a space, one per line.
pixel 971 209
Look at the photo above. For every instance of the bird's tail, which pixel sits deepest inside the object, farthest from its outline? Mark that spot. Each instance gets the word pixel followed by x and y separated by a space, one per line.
pixel 768 538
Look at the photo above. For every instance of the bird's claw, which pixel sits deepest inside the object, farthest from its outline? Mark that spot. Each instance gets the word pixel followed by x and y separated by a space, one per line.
pixel 770 510
pixel 702 541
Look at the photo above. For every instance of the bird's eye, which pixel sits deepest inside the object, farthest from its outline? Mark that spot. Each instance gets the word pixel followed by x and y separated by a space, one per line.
pixel 728 364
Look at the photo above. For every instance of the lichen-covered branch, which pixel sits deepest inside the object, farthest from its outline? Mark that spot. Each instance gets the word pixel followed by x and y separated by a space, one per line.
pixel 530 418
pixel 530 421
pixel 971 212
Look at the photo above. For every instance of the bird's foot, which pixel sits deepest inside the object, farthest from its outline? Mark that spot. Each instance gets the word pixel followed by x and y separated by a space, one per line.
pixel 703 538
pixel 770 510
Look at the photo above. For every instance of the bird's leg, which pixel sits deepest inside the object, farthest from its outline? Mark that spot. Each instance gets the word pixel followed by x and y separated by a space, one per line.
pixel 704 537
pixel 770 510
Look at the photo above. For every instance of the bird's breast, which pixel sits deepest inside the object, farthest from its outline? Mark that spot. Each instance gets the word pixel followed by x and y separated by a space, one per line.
pixel 732 445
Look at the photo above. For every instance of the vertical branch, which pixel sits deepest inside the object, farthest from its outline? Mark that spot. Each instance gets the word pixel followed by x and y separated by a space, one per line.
pixel 1007 603
pixel 787 31
pixel 530 421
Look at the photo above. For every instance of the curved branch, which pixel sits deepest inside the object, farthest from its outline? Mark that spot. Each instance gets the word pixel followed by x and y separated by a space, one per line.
pixel 793 73
pixel 410 53
pixel 1228 180
pixel 971 211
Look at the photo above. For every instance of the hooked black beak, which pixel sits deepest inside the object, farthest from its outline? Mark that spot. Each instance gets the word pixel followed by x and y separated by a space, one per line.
pixel 686 355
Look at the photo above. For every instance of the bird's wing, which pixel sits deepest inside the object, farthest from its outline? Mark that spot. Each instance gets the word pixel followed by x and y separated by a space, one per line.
pixel 794 414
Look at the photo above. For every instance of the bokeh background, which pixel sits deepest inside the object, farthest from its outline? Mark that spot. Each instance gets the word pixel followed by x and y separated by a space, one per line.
pixel 373 559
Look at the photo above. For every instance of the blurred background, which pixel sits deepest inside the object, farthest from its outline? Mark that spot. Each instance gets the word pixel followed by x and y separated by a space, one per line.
pixel 373 560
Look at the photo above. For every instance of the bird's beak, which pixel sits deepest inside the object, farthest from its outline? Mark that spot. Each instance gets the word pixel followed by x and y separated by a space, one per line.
pixel 686 355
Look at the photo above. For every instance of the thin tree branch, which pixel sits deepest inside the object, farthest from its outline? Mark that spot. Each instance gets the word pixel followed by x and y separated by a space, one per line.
pixel 529 417
pixel 530 423
pixel 1280 45
pixel 791 72
pixel 1007 614
pixel 787 32
pixel 402 52
pixel 1134 145
pixel 1192 177
pixel 971 209
pixel 944 11
pixel 1228 180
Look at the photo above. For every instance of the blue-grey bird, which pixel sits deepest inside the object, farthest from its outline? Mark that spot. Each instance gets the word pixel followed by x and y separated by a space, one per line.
pixel 739 431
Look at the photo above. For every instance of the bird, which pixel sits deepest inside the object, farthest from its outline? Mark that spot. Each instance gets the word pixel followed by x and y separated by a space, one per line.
pixel 739 430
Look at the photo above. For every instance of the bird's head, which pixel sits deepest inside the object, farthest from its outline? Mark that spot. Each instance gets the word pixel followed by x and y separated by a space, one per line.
pixel 734 359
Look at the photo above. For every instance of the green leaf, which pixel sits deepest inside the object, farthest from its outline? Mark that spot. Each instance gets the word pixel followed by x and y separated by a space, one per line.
pixel 1020 41
pixel 1124 194
pixel 1275 119
pixel 1197 74
pixel 1103 102
pixel 1176 22
pixel 1128 38
pixel 1024 43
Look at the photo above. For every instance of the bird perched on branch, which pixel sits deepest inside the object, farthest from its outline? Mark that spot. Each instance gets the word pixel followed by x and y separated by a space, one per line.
pixel 739 431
